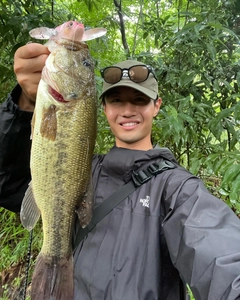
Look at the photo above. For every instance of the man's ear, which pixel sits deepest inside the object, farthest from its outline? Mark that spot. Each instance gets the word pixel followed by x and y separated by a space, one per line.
pixel 158 104
pixel 103 105
pixel 104 108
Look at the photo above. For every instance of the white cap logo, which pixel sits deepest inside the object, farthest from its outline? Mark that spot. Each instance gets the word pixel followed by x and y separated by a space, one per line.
pixel 125 74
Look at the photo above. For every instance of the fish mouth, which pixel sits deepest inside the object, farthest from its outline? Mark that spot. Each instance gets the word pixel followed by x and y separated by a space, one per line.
pixel 56 95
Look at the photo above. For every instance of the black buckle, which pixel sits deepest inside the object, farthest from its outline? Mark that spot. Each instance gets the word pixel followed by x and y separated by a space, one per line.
pixel 157 168
pixel 141 177
pixel 154 169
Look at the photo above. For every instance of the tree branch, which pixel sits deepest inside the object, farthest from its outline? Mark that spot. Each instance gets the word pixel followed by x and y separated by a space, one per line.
pixel 137 26
pixel 122 26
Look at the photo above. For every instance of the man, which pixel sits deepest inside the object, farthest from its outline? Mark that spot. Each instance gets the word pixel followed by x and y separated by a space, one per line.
pixel 168 232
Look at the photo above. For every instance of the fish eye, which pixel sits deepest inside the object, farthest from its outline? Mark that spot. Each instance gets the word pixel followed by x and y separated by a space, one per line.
pixel 86 63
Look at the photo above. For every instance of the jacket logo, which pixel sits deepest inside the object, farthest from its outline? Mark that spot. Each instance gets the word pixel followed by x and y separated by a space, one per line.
pixel 145 202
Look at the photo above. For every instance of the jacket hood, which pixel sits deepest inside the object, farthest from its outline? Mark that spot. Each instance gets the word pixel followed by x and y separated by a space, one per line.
pixel 121 162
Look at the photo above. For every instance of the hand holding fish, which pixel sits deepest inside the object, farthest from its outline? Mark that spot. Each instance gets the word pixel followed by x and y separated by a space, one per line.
pixel 29 61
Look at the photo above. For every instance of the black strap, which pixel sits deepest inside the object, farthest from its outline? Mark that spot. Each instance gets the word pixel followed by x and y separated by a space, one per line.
pixel 138 178
pixel 104 208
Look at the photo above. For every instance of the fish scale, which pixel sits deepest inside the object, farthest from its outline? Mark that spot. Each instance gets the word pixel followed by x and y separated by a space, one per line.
pixel 63 139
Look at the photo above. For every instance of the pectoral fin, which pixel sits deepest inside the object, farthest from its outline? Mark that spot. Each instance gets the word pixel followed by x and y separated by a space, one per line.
pixel 33 124
pixel 84 210
pixel 29 213
pixel 48 128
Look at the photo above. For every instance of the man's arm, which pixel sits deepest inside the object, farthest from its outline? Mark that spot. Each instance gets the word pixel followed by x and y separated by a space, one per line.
pixel 15 143
pixel 203 238
pixel 15 125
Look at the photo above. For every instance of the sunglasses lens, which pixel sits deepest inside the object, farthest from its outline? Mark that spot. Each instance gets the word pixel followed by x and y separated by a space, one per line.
pixel 112 74
pixel 138 73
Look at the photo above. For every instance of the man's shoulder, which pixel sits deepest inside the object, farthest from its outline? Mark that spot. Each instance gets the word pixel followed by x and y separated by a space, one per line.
pixel 165 153
pixel 176 175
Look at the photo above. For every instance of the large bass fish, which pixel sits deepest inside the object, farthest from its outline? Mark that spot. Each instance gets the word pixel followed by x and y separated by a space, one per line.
pixel 63 139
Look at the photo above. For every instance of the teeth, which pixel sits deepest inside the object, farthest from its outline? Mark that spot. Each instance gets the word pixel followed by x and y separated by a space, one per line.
pixel 129 124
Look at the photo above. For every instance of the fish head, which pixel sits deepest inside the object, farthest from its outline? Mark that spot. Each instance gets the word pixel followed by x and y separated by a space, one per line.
pixel 71 30
pixel 69 74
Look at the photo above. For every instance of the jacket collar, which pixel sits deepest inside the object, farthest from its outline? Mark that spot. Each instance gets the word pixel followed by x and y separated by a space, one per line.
pixel 121 162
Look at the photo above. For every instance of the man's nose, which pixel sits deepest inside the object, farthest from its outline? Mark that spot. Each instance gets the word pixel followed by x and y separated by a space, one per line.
pixel 128 108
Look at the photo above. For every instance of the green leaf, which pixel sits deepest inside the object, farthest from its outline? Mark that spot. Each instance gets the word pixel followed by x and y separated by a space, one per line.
pixel 145 35
pixel 195 166
pixel 238 78
pixel 186 78
pixel 232 172
pixel 171 111
pixel 212 51
pixel 237 111
pixel 223 164
pixel 235 191
pixel 224 192
pixel 225 113
pixel 186 117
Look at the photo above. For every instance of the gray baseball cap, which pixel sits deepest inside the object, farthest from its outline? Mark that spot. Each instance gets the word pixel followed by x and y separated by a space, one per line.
pixel 149 87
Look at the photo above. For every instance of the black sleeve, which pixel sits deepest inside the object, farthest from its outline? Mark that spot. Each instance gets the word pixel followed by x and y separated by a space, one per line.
pixel 15 144
pixel 203 238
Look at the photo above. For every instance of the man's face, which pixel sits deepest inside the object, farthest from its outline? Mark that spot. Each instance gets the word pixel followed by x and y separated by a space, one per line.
pixel 130 114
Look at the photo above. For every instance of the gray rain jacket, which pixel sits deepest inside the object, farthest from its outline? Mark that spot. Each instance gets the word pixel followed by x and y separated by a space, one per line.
pixel 169 231
pixel 169 228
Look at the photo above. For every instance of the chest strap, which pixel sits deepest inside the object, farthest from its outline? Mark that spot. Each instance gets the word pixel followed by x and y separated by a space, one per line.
pixel 138 178
pixel 154 169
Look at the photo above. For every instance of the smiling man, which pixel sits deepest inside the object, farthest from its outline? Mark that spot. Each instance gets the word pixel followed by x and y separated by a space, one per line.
pixel 168 233
pixel 130 99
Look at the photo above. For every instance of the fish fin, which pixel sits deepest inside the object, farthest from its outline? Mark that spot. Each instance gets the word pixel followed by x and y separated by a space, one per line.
pixel 94 33
pixel 84 210
pixel 52 278
pixel 30 212
pixel 42 33
pixel 32 124
pixel 48 128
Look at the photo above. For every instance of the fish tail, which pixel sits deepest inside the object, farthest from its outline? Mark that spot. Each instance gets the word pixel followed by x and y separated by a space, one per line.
pixel 52 278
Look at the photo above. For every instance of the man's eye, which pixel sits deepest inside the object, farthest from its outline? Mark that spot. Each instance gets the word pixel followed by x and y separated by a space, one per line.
pixel 116 100
pixel 141 100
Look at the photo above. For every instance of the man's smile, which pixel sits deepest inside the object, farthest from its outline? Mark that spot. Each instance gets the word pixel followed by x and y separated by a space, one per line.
pixel 129 124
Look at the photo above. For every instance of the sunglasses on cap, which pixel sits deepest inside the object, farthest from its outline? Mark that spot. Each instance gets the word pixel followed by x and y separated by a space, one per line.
pixel 138 73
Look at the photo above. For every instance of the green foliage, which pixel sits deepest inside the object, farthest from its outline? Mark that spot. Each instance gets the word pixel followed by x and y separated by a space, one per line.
pixel 198 69
pixel 14 240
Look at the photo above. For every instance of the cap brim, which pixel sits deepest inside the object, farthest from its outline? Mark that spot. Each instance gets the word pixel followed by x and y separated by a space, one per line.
pixel 128 83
